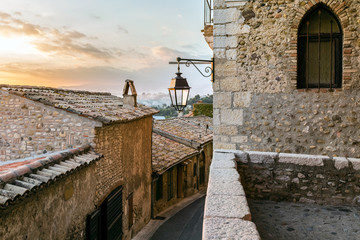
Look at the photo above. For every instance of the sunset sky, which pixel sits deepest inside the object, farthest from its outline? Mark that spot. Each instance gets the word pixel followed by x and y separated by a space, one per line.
pixel 96 45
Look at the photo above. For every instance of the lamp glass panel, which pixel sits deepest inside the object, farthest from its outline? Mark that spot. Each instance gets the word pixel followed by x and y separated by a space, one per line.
pixel 185 96
pixel 179 96
pixel 172 96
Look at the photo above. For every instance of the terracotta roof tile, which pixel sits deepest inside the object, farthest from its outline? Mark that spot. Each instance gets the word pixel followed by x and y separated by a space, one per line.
pixel 99 106
pixel 198 129
pixel 18 180
pixel 167 153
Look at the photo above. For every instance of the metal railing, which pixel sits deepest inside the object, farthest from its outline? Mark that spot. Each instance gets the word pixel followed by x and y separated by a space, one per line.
pixel 208 12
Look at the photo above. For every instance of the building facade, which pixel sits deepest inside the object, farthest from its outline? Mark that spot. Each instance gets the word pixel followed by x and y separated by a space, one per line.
pixel 181 157
pixel 108 197
pixel 287 76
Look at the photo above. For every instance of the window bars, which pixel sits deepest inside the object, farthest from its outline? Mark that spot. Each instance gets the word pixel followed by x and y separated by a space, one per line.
pixel 319 51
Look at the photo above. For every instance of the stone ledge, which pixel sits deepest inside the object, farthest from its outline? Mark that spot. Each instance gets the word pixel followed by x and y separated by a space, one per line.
pixel 225 174
pixel 302 159
pixel 225 188
pixel 262 157
pixel 227 206
pixel 227 214
pixel 220 228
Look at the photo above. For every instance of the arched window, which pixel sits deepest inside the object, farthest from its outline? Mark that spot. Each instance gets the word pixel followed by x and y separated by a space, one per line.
pixel 319 50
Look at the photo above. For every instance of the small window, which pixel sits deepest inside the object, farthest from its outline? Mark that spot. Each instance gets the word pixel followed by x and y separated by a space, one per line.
pixel 131 210
pixel 195 170
pixel 170 184
pixel 320 50
pixel 159 188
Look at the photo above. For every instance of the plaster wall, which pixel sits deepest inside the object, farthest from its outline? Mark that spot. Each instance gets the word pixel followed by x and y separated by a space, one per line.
pixel 57 211
pixel 257 105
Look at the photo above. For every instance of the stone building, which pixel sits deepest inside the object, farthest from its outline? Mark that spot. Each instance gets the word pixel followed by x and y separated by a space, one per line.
pixel 286 86
pixel 181 157
pixel 73 161
pixel 287 76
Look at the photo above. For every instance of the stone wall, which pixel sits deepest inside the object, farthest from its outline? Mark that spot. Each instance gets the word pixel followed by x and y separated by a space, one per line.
pixel 237 175
pixel 28 128
pixel 227 214
pixel 300 178
pixel 127 161
pixel 50 214
pixel 257 105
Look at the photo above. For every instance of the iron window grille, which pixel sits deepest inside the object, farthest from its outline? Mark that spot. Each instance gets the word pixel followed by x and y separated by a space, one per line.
pixel 320 50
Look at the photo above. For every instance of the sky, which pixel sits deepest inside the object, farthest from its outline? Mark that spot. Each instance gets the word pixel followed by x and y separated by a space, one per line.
pixel 96 45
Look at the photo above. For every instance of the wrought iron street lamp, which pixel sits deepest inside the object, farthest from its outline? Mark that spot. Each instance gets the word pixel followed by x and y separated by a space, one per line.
pixel 179 88
pixel 179 91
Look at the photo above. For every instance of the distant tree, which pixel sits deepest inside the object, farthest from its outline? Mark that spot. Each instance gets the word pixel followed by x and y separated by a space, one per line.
pixel 168 111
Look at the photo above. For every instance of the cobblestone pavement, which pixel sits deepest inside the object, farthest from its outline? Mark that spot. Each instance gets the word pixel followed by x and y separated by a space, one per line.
pixel 295 221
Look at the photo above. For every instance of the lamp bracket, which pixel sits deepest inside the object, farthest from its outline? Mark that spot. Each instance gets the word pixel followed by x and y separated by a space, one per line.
pixel 208 71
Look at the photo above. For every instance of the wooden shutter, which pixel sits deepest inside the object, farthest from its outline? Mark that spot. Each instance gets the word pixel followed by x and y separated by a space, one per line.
pixel 114 214
pixel 93 226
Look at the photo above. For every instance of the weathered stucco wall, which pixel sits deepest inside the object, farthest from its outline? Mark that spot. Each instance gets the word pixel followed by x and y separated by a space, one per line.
pixel 57 211
pixel 28 128
pixel 127 161
pixel 257 105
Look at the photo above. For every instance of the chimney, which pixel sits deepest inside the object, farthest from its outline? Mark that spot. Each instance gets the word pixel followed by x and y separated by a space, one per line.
pixel 129 100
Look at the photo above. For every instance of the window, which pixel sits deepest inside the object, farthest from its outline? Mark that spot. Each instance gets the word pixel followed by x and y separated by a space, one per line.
pixel 319 50
pixel 159 188
pixel 195 170
pixel 170 184
pixel 131 210
pixel 202 168
pixel 106 222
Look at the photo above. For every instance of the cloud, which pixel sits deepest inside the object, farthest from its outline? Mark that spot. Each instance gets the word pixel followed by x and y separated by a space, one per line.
pixel 122 29
pixel 55 41
pixel 95 17
pixel 166 53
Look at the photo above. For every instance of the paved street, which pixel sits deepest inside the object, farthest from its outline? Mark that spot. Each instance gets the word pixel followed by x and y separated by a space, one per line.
pixel 184 225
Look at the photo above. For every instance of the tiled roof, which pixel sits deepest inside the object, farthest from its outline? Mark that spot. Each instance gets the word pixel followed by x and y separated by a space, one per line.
pixel 99 106
pixel 196 129
pixel 167 153
pixel 21 179
pixel 178 139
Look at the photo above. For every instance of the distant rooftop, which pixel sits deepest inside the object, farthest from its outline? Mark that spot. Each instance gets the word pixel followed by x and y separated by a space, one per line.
pixel 177 139
pixel 192 129
pixel 166 153
pixel 100 106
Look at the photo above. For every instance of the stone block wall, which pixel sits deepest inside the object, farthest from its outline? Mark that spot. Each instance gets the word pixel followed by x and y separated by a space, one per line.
pixel 127 161
pixel 237 175
pixel 28 128
pixel 227 214
pixel 257 105
pixel 300 178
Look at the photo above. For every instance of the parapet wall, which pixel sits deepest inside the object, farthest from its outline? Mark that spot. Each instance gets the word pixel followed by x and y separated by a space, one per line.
pixel 227 214
pixel 300 178
pixel 273 176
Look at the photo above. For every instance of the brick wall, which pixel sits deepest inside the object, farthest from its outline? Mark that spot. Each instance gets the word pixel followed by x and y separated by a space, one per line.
pixel 127 161
pixel 28 128
pixel 256 103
